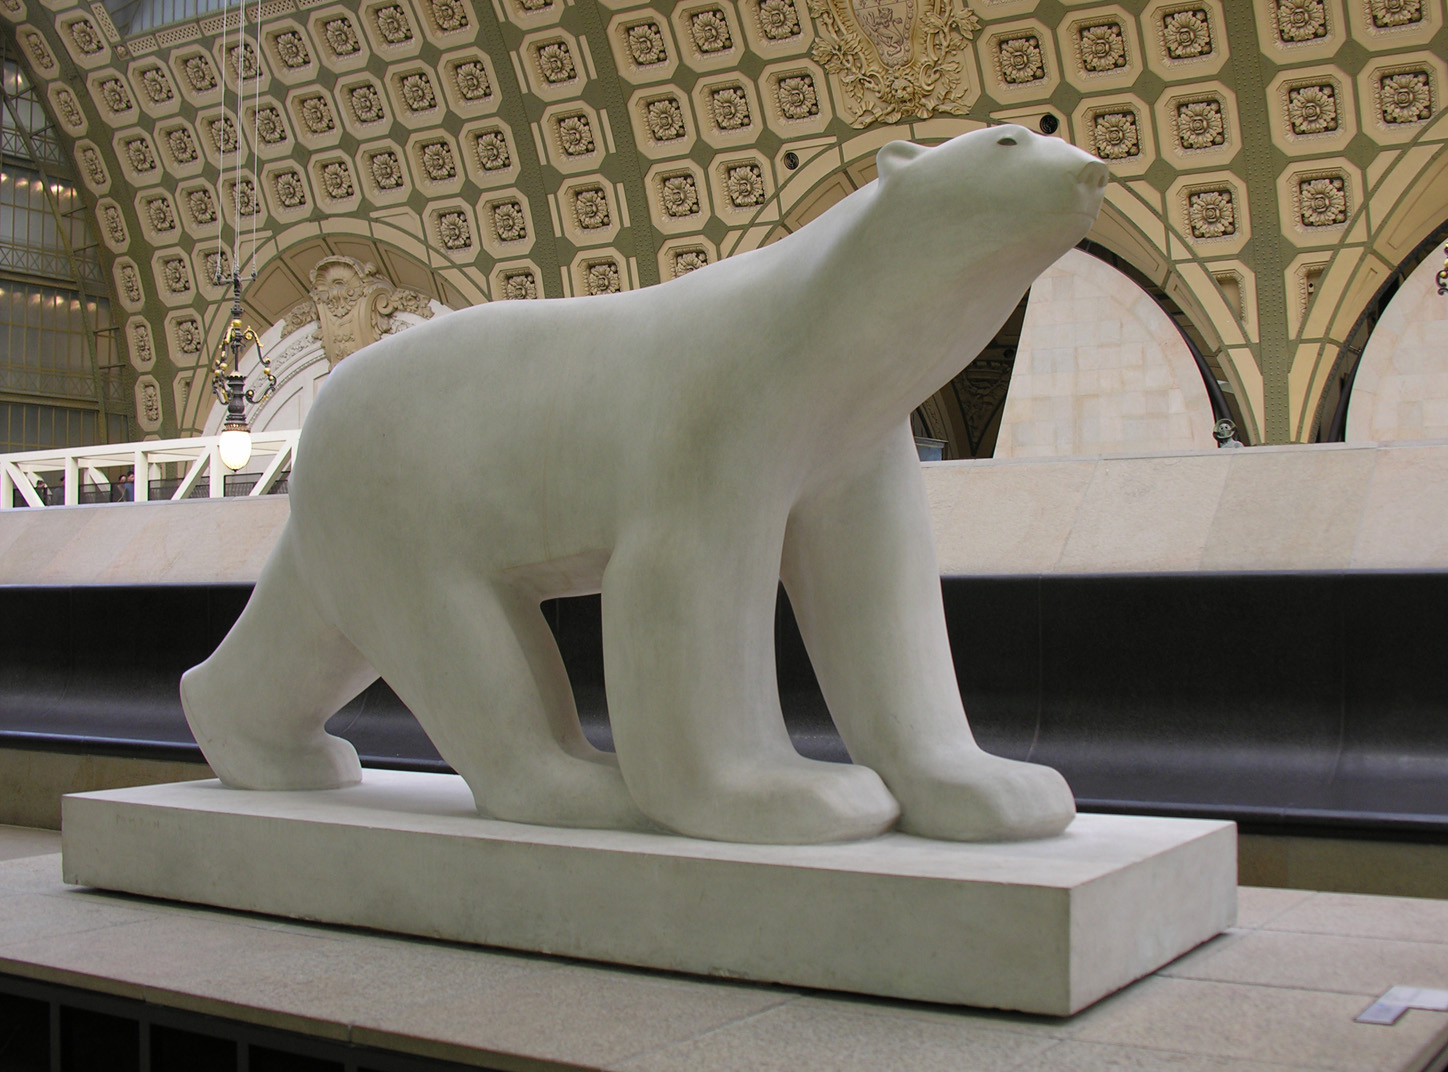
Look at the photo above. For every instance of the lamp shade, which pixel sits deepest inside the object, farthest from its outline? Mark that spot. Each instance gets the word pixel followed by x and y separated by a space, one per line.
pixel 235 446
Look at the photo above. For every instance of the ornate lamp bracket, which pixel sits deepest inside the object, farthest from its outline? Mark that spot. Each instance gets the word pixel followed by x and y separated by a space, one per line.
pixel 228 382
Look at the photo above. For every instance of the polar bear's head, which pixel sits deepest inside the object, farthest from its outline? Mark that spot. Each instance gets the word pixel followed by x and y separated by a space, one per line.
pixel 997 188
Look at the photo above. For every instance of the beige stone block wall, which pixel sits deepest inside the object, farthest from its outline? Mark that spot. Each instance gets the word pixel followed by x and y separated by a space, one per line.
pixel 1320 507
pixel 195 541
pixel 1401 388
pixel 1310 507
pixel 1100 369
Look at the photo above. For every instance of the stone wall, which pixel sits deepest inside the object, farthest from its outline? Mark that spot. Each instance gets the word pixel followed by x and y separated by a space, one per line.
pixel 1100 369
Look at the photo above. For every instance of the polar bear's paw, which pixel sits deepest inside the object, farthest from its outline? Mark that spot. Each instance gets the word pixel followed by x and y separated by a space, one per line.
pixel 975 796
pixel 557 789
pixel 302 758
pixel 788 801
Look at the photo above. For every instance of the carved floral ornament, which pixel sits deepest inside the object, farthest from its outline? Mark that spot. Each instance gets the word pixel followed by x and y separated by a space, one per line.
pixel 201 205
pixel 148 401
pixel 1117 135
pixel 450 15
pixel 1390 13
pixel 223 134
pixel 176 275
pixel 555 62
pixel 341 37
pixel 590 208
pixel 1101 47
pixel 729 108
pixel 509 222
pixel 1312 109
pixel 317 114
pixel 1322 201
pixel 436 160
pixel 1019 60
pixel 1300 20
pixel 217 265
pixel 181 145
pixel 744 183
pixel 710 31
pixel 337 180
pixel 243 197
pixel 39 51
pixel 602 277
pixel 291 46
pixel 269 126
pixel 491 147
pixel 645 43
pixel 113 95
pixel 354 306
pixel 895 58
pixel 519 286
pixel 139 155
pixel 689 260
pixel 291 189
pixel 454 231
pixel 143 350
pixel 242 61
pixel 471 80
pixel 87 39
pixel 68 108
pixel 575 134
pixel 417 92
pixel 1187 34
pixel 386 170
pixel 1200 124
pixel 679 195
pixel 95 169
pixel 665 118
pixel 1212 213
pixel 131 284
pixel 189 338
pixel 797 96
pixel 157 85
pixel 1405 97
pixel 392 24
pixel 199 72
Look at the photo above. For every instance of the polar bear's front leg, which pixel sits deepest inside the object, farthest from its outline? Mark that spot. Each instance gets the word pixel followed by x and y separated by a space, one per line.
pixel 688 646
pixel 860 568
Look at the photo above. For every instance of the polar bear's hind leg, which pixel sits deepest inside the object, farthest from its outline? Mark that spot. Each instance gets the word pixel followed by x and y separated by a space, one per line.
pixel 258 704
pixel 482 674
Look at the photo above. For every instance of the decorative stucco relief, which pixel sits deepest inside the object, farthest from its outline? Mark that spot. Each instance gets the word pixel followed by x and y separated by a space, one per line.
pixel 896 58
pixel 354 306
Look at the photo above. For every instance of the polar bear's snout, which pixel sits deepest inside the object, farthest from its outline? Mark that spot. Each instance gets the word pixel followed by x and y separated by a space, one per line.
pixel 1093 175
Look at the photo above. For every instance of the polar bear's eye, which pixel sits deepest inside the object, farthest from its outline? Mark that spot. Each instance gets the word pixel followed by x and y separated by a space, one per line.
pixel 1005 139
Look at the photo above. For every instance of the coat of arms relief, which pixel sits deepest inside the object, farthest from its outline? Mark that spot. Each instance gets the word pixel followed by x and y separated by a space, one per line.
pixel 894 59
pixel 354 306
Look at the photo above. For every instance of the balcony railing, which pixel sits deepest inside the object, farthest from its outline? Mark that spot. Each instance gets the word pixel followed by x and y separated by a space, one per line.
pixel 164 470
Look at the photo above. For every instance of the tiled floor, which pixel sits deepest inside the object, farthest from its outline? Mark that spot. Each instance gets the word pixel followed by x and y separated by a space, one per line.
pixel 1278 992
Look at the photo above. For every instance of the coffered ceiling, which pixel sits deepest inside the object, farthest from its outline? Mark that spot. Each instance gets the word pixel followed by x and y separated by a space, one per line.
pixel 1273 162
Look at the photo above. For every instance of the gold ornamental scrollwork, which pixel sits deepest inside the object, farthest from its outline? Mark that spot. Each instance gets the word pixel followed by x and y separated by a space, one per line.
pixel 895 58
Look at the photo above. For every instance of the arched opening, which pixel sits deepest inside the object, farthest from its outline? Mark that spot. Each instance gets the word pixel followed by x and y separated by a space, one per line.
pixel 1332 414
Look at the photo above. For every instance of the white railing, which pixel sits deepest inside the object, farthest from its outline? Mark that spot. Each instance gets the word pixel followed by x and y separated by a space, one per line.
pixel 196 458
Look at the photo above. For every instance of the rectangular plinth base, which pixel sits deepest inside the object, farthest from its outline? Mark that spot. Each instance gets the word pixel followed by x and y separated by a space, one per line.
pixel 1044 926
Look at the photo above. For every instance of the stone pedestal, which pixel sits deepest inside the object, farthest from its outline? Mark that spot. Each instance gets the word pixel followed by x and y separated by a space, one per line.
pixel 1043 926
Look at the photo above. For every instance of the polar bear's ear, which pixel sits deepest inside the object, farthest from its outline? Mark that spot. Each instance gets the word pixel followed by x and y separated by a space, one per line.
pixel 896 155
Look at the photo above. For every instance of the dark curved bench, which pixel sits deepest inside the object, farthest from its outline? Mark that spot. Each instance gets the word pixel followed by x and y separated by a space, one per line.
pixel 1290 702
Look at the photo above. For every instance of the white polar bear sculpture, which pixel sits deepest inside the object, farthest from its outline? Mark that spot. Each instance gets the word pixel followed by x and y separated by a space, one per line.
pixel 680 449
